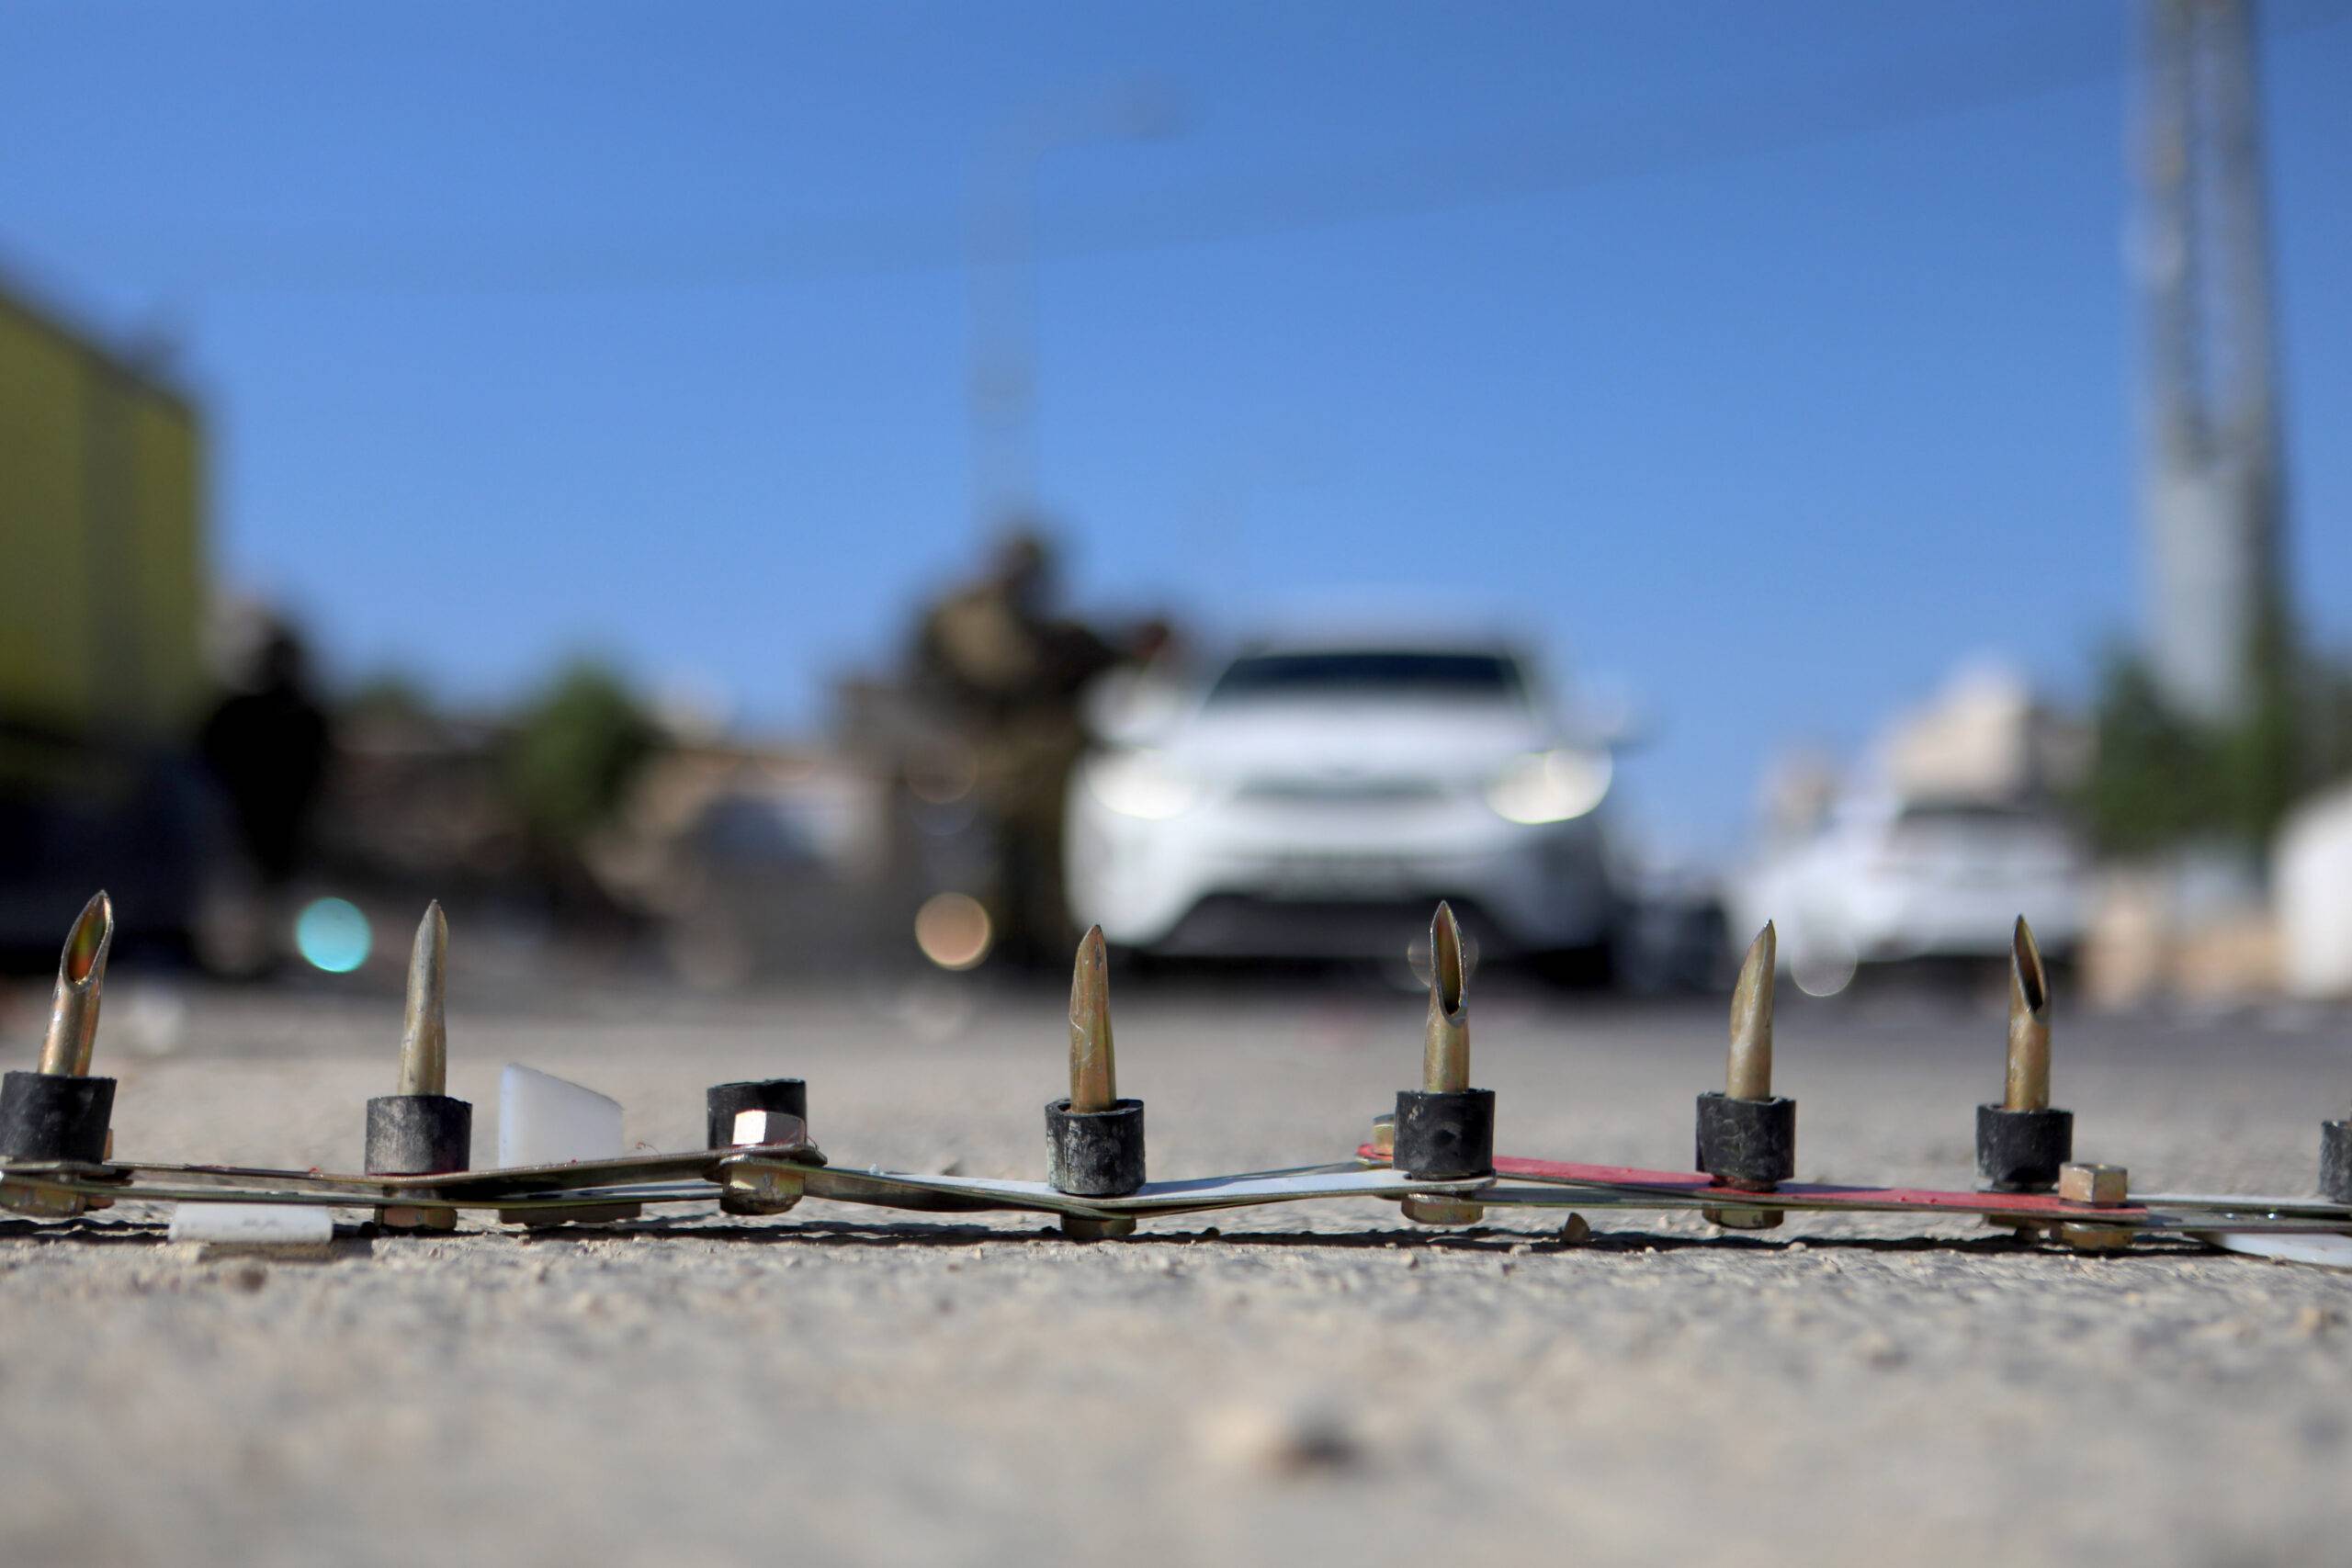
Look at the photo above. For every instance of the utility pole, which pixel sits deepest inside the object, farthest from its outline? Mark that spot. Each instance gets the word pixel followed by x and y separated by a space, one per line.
pixel 2219 623
pixel 1003 268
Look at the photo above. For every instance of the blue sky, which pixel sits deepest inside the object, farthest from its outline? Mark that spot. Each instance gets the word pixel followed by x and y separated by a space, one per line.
pixel 1770 359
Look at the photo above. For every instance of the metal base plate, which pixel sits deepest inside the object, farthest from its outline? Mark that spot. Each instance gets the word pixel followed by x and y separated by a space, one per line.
pixel 1629 1186
pixel 698 1176
pixel 614 1189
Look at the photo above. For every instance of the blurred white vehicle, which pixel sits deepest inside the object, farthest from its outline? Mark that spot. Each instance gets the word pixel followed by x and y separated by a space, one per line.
pixel 1318 799
pixel 1884 878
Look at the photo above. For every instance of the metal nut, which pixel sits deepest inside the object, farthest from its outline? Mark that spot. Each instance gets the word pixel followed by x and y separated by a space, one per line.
pixel 1383 1133
pixel 39 1202
pixel 755 1127
pixel 760 1186
pixel 407 1217
pixel 1424 1210
pixel 1087 1227
pixel 2103 1185
pixel 1745 1219
pixel 2095 1238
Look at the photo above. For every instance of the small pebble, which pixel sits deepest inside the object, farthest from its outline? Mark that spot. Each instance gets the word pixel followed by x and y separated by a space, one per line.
pixel 1288 1445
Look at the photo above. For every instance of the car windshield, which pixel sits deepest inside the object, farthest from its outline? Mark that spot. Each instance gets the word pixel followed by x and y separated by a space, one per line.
pixel 1970 829
pixel 1370 672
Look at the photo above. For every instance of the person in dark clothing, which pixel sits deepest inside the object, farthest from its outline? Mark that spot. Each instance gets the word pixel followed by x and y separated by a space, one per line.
pixel 1005 676
pixel 268 746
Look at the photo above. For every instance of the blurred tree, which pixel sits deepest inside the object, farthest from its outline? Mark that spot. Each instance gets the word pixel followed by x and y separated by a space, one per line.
pixel 2160 780
pixel 574 753
pixel 2151 782
pixel 2331 734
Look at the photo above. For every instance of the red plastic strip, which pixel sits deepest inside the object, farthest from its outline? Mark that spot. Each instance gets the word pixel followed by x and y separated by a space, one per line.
pixel 1692 1183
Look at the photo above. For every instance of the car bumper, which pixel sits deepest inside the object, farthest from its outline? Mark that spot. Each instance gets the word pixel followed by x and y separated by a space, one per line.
pixel 1964 922
pixel 1331 881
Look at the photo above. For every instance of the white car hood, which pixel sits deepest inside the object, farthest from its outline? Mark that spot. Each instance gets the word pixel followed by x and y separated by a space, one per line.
pixel 1345 742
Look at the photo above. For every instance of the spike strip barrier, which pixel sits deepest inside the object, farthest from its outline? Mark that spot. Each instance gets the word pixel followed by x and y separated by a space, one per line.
pixel 1447 1178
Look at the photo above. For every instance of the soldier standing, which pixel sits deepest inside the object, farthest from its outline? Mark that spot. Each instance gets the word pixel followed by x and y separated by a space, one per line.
pixel 1006 675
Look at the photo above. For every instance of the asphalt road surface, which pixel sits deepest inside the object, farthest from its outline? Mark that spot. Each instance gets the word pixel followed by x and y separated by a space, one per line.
pixel 1311 1384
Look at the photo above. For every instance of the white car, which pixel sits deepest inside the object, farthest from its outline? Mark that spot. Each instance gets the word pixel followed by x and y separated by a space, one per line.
pixel 1316 799
pixel 1884 878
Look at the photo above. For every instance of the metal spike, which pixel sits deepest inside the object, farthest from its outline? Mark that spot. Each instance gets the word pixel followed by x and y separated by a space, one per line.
pixel 1093 1069
pixel 1749 1075
pixel 1445 1052
pixel 424 1030
pixel 2029 1078
pixel 81 974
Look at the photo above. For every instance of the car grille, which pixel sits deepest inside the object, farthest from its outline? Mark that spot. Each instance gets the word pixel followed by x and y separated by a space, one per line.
pixel 1344 792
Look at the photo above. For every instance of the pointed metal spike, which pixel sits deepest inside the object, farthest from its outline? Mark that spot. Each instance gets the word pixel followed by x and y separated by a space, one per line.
pixel 2027 1088
pixel 1445 1050
pixel 424 1030
pixel 1093 1069
pixel 1749 1075
pixel 81 976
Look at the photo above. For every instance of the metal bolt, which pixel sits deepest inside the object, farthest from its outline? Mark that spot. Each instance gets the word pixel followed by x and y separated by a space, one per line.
pixel 2104 1185
pixel 1093 1069
pixel 425 1053
pixel 81 974
pixel 2028 1085
pixel 1749 1074
pixel 1445 1050
pixel 424 1030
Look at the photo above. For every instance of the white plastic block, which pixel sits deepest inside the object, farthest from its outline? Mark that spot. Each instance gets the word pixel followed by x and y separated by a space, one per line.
pixel 253 1224
pixel 2323 1247
pixel 544 1120
pixel 2311 878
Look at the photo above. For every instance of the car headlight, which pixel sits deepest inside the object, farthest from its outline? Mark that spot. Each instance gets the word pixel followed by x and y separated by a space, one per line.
pixel 1141 784
pixel 1550 787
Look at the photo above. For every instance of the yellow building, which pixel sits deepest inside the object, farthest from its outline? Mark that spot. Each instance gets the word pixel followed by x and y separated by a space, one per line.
pixel 102 567
pixel 103 679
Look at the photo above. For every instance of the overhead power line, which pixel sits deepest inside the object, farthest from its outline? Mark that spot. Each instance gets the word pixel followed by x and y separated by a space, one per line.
pixel 1925 86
